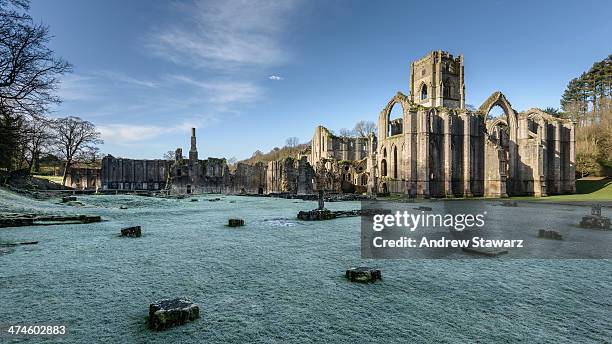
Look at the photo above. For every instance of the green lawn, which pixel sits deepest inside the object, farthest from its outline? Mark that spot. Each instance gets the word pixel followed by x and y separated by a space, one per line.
pixel 54 179
pixel 586 190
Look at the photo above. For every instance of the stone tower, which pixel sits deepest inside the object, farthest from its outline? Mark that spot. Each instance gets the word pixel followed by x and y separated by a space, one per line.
pixel 437 80
pixel 193 151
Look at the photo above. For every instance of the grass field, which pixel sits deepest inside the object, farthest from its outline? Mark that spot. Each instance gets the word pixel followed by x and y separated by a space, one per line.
pixel 586 190
pixel 54 179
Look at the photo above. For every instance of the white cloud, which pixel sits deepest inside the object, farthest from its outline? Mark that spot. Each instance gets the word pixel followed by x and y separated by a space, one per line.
pixel 76 87
pixel 222 91
pixel 126 134
pixel 126 79
pixel 224 34
pixel 276 77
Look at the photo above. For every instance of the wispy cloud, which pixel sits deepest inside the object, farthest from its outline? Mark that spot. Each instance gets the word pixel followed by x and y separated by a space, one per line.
pixel 126 134
pixel 217 45
pixel 276 77
pixel 126 79
pixel 222 91
pixel 225 34
pixel 76 87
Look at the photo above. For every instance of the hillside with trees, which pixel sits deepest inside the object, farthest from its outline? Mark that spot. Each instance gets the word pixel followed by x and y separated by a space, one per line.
pixel 588 101
pixel 293 148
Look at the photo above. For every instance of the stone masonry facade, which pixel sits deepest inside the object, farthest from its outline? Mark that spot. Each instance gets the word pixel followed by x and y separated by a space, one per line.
pixel 436 147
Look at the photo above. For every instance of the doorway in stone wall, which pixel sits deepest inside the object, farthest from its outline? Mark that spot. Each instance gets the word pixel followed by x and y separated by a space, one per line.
pixel 188 189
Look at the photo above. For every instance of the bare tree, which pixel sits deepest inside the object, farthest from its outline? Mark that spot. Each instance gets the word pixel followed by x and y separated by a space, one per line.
pixel 38 139
pixel 73 136
pixel 169 155
pixel 29 71
pixel 89 155
pixel 364 128
pixel 292 142
pixel 346 132
pixel 29 75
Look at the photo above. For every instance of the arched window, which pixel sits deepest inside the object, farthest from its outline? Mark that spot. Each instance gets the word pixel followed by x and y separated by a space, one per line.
pixel 423 92
pixel 395 162
pixel 394 120
pixel 383 167
pixel 496 111
pixel 364 179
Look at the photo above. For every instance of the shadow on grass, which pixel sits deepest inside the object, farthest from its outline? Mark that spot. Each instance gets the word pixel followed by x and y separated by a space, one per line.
pixel 587 186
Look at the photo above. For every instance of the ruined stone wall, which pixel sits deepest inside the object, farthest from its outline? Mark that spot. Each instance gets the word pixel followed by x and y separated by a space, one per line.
pixel 84 178
pixel 201 176
pixel 442 152
pixel 290 175
pixel 249 178
pixel 437 80
pixel 325 145
pixel 130 174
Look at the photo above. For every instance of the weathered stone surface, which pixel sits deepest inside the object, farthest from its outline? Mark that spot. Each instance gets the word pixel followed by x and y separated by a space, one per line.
pixel 235 222
pixel 549 234
pixel 325 214
pixel 132 232
pixel 172 312
pixel 67 199
pixel 19 220
pixel 595 222
pixel 316 215
pixel 363 274
pixel 485 251
pixel 20 243
pixel 436 148
pixel 16 222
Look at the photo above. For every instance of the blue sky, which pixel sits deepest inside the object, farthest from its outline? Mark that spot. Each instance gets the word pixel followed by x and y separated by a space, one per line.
pixel 249 74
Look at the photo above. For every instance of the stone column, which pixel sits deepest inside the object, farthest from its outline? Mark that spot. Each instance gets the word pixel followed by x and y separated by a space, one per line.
pixel 461 84
pixel 556 187
pixel 437 81
pixel 120 186
pixel 572 159
pixel 407 130
pixel 467 134
pixel 448 191
pixel 422 153
pixel 544 157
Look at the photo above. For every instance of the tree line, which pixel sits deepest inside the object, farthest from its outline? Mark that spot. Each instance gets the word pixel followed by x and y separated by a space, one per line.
pixel 29 78
pixel 587 100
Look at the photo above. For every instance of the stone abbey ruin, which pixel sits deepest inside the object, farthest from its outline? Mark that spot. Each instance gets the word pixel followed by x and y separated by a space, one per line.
pixel 436 147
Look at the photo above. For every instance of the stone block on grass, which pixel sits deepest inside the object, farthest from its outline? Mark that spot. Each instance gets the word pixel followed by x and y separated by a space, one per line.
pixel 172 312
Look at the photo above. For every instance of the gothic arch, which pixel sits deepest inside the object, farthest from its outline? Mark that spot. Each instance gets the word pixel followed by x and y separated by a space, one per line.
pixel 423 91
pixel 510 118
pixel 495 122
pixel 448 88
pixel 383 118
pixel 498 99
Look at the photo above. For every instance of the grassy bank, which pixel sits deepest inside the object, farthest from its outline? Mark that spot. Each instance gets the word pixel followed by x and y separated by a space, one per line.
pixel 586 190
pixel 54 179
